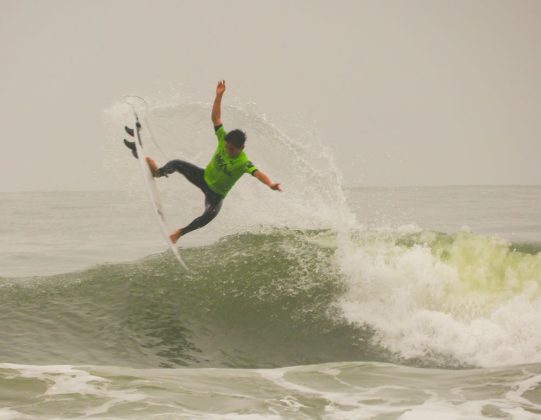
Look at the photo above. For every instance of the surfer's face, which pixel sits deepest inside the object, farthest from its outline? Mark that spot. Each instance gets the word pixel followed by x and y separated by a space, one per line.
pixel 232 150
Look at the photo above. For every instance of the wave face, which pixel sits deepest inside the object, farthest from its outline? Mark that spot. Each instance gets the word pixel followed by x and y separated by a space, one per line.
pixel 250 300
pixel 287 297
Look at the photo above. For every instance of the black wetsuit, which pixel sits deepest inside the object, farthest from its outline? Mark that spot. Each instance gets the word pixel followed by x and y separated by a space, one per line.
pixel 195 174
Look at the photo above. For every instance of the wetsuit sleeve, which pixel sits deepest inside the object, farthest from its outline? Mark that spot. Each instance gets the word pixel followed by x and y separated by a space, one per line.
pixel 220 133
pixel 250 168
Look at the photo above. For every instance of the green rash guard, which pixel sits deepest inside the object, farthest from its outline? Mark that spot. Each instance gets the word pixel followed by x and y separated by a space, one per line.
pixel 223 171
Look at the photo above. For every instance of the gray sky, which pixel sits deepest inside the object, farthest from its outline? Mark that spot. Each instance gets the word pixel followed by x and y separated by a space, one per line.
pixel 403 92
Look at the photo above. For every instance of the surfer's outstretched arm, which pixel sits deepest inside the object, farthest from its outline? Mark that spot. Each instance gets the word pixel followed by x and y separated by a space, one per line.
pixel 216 107
pixel 266 180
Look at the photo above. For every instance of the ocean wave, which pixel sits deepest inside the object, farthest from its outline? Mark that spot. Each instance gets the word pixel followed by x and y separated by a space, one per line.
pixel 249 300
pixel 452 299
pixel 287 297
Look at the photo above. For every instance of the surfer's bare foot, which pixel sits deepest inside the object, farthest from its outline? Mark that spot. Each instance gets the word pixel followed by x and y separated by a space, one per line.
pixel 153 167
pixel 175 235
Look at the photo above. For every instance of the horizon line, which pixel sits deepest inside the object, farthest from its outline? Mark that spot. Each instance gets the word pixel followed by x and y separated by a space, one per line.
pixel 344 186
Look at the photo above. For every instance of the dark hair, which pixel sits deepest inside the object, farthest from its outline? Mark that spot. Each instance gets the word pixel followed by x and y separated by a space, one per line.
pixel 236 138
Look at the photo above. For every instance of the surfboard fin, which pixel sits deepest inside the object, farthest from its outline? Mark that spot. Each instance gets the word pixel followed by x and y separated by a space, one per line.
pixel 131 145
pixel 130 131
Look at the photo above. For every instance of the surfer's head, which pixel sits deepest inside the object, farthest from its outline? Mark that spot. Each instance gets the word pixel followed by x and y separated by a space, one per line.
pixel 234 142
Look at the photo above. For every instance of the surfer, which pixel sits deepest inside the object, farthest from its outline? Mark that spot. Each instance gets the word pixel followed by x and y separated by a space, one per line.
pixel 227 165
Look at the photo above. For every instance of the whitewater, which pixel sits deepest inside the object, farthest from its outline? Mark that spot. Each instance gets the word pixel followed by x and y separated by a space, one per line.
pixel 321 302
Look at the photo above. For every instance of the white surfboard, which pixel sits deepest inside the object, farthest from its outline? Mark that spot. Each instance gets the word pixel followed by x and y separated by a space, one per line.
pixel 153 191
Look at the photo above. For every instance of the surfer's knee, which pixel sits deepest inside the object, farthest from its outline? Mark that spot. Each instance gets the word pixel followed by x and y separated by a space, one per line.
pixel 203 220
pixel 210 213
pixel 214 211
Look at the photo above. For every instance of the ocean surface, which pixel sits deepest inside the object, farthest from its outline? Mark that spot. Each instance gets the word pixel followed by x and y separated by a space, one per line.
pixel 432 306
pixel 322 302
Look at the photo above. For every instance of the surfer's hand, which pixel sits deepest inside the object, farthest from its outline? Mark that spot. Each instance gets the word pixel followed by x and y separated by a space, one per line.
pixel 220 89
pixel 266 180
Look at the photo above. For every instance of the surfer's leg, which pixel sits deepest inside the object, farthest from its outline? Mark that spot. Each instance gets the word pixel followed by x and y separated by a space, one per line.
pixel 193 173
pixel 213 204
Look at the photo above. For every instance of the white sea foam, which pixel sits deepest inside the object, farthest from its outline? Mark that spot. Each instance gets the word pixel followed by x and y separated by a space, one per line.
pixel 66 380
pixel 465 297
pixel 337 391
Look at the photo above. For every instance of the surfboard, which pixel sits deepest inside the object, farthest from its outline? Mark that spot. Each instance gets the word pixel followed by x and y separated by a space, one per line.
pixel 152 189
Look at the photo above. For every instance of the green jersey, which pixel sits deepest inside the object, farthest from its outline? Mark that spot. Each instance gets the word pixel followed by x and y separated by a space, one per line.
pixel 223 171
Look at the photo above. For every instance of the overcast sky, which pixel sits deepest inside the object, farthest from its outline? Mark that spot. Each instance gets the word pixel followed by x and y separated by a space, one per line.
pixel 403 92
